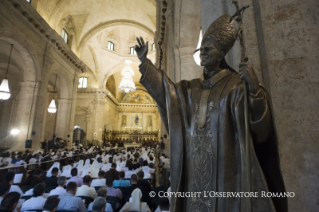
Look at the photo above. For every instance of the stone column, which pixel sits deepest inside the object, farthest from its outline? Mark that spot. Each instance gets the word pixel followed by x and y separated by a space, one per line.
pixel 98 124
pixel 25 115
pixel 72 108
pixel 88 127
pixel 63 118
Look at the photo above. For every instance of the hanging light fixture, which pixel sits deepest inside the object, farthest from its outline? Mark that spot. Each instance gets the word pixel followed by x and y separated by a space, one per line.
pixel 196 54
pixel 127 85
pixel 4 87
pixel 52 107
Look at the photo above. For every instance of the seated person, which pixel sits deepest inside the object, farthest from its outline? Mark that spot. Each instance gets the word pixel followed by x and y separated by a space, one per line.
pixel 161 188
pixel 36 174
pixel 8 177
pixel 66 171
pixel 85 189
pixel 4 190
pixel 34 183
pixel 164 204
pixel 75 178
pixel 143 183
pixel 128 190
pixel 51 204
pixel 121 182
pixel 112 173
pixel 136 204
pixel 10 202
pixel 60 189
pixel 51 182
pixel 70 202
pixel 130 171
pixel 113 192
pixel 37 201
pixel 99 204
pixel 102 192
pixel 100 182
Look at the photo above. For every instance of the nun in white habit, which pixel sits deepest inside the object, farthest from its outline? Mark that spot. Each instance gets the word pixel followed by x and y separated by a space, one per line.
pixel 56 164
pixel 136 204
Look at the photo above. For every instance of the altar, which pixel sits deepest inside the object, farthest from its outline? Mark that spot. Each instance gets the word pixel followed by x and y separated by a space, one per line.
pixel 126 145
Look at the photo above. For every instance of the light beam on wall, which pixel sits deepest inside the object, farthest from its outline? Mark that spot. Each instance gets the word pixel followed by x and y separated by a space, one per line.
pixel 196 54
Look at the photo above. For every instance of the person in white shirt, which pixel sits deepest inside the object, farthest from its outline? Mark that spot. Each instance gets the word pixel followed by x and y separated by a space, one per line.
pixel 8 177
pixel 33 160
pixel 130 171
pixel 59 190
pixel 51 204
pixel 101 181
pixel 85 189
pixel 4 189
pixel 102 192
pixel 37 201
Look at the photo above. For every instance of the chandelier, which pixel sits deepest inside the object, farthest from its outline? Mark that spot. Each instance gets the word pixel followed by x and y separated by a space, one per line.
pixel 127 85
pixel 4 86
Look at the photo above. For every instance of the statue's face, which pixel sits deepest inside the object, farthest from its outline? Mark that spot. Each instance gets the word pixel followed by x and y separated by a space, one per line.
pixel 209 55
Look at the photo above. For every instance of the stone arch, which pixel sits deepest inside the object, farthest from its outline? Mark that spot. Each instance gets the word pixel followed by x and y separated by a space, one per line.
pixel 30 67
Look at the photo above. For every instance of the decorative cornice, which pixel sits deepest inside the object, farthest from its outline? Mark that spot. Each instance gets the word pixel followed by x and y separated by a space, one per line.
pixel 33 17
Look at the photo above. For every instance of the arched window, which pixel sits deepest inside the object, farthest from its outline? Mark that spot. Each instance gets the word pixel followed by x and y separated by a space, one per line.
pixel 110 46
pixel 132 50
pixel 83 82
pixel 65 35
pixel 153 47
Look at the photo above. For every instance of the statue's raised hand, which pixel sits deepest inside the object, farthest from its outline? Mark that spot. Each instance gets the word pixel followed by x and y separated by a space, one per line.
pixel 141 49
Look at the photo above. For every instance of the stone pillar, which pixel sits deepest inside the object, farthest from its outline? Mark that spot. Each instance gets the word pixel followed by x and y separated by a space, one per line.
pixel 25 115
pixel 88 127
pixel 63 118
pixel 72 107
pixel 98 116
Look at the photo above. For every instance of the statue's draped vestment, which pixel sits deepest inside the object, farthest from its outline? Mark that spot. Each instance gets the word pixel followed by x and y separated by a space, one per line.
pixel 213 157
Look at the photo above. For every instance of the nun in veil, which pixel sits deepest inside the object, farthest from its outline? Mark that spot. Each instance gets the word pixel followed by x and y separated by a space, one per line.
pixel 136 205
pixel 56 164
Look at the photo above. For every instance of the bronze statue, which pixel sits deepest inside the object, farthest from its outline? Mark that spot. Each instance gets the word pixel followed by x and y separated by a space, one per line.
pixel 207 123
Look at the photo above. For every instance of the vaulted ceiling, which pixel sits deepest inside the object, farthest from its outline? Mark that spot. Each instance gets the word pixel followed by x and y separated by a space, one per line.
pixel 92 23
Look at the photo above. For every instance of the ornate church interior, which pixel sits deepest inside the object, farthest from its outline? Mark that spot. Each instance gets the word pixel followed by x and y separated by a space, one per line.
pixel 71 89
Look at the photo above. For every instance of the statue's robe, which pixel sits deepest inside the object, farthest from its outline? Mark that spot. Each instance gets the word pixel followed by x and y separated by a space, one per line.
pixel 213 157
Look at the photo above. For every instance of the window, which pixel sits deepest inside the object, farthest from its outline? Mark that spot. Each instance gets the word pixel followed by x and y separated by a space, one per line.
pixel 29 1
pixel 83 82
pixel 65 35
pixel 110 46
pixel 132 50
pixel 153 47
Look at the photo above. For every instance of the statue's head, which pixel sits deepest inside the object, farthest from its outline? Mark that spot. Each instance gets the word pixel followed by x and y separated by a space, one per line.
pixel 218 40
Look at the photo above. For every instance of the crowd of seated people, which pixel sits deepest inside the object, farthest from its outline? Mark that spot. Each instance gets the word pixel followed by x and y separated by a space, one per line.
pixel 110 180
